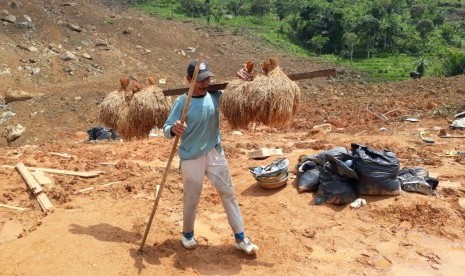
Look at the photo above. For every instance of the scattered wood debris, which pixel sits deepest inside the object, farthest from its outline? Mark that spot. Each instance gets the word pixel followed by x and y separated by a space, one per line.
pixel 42 178
pixel 108 163
pixel 13 207
pixel 85 190
pixel 35 187
pixel 80 174
pixel 109 184
pixel 323 127
pixel 101 187
pixel 64 155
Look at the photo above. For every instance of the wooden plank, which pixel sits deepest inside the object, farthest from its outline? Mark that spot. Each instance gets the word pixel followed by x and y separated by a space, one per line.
pixel 29 178
pixel 64 155
pixel 294 77
pixel 13 207
pixel 104 187
pixel 324 127
pixel 80 174
pixel 44 202
pixel 451 136
pixel 108 163
pixel 85 190
pixel 35 187
pixel 265 152
pixel 109 184
pixel 43 179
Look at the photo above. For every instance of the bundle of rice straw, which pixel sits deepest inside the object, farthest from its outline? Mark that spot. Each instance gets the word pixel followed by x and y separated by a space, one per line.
pixel 234 105
pixel 270 98
pixel 133 111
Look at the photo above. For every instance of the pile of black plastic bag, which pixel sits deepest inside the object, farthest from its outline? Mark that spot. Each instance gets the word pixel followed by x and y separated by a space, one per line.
pixel 102 133
pixel 339 176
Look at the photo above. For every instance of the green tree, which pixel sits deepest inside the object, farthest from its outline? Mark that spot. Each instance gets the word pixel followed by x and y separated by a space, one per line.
pixel 309 22
pixel 367 29
pixel 417 11
pixel 424 28
pixel 285 8
pixel 194 8
pixel 350 39
pixel 282 11
pixel 235 6
pixel 335 28
pixel 317 20
pixel 449 31
pixel 391 15
pixel 318 42
pixel 454 64
pixel 392 31
pixel 218 12
pixel 260 8
pixel 208 11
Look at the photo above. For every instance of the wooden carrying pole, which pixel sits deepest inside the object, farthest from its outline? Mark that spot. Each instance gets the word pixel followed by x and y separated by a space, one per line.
pixel 293 77
pixel 173 151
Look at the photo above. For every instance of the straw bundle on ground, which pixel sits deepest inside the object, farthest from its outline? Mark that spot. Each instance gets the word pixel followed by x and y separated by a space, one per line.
pixel 271 98
pixel 134 111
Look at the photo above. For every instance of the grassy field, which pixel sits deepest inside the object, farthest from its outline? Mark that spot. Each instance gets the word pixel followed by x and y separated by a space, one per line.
pixel 380 69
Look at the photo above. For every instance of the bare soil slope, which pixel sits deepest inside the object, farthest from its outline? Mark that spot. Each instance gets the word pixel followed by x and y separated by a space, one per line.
pixel 98 231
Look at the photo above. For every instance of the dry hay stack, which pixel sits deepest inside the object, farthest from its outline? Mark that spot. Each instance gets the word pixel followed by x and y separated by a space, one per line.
pixel 133 111
pixel 271 98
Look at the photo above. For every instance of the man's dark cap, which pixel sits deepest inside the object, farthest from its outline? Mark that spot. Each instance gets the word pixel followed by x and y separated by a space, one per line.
pixel 204 70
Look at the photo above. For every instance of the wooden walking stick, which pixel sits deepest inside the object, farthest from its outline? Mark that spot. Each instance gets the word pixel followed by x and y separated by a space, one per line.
pixel 160 187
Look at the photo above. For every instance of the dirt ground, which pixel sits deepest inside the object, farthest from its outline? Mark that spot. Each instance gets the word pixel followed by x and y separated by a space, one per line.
pixel 98 231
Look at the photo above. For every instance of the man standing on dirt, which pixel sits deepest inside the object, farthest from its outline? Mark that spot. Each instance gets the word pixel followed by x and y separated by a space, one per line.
pixel 202 155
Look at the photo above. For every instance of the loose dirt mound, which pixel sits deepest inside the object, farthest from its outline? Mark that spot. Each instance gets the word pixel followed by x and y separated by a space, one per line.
pixel 98 222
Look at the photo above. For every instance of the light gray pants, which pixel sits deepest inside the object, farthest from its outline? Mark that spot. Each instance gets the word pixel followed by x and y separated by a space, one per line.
pixel 215 167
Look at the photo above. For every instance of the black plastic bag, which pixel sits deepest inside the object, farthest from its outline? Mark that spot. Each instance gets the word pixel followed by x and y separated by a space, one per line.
pixel 335 189
pixel 377 171
pixel 308 174
pixel 101 133
pixel 320 158
pixel 417 180
pixel 309 167
pixel 343 165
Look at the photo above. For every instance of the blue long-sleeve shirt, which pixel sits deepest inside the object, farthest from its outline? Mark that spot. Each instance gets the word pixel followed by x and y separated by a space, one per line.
pixel 203 124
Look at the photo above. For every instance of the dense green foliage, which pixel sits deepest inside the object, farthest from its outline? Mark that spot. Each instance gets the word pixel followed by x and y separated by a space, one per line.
pixel 350 30
pixel 454 64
